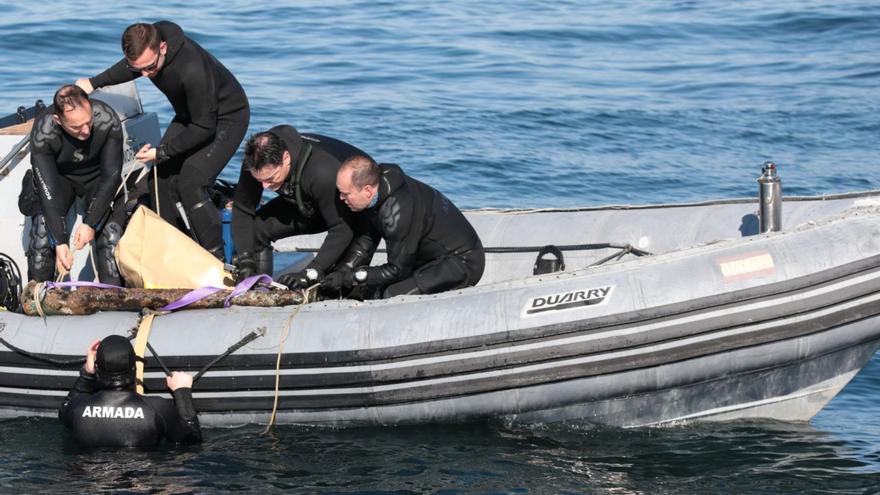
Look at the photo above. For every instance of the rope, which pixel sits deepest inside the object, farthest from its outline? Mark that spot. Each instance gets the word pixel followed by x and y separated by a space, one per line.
pixel 156 188
pixel 567 247
pixel 159 360
pixel 123 184
pixel 529 249
pixel 615 256
pixel 140 345
pixel 307 294
pixel 38 289
pixel 18 148
pixel 37 357
pixel 234 347
pixel 93 253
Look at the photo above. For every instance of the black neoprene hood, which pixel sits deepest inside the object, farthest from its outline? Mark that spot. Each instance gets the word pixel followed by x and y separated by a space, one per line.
pixel 115 361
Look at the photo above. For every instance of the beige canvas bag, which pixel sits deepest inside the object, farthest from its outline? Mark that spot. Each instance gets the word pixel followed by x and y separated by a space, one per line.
pixel 153 254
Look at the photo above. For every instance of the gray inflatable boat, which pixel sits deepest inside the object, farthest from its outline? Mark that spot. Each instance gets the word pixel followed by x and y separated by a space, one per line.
pixel 718 322
pixel 710 327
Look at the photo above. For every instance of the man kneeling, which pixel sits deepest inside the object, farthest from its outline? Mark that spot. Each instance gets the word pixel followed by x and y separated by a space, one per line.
pixel 103 410
pixel 76 152
pixel 431 245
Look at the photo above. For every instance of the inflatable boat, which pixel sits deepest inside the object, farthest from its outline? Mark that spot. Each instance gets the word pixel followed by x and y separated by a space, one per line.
pixel 662 314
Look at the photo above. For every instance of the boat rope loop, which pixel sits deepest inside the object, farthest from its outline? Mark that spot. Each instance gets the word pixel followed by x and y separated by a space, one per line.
pixel 308 293
pixel 42 359
pixel 616 256
pixel 247 339
pixel 625 248
pixel 628 248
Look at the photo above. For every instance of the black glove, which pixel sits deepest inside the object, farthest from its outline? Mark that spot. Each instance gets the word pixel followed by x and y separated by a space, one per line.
pixel 338 280
pixel 301 279
pixel 246 265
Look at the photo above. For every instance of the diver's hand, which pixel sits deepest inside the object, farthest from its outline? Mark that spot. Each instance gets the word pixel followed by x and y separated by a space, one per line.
pixel 91 353
pixel 146 154
pixel 63 258
pixel 179 379
pixel 300 280
pixel 85 84
pixel 246 266
pixel 84 235
pixel 338 280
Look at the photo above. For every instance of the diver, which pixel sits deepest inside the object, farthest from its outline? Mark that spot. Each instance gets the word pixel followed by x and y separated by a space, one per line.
pixel 76 152
pixel 210 121
pixel 301 168
pixel 431 245
pixel 103 409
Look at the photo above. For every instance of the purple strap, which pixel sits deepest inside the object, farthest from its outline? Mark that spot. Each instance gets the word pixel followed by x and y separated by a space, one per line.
pixel 61 285
pixel 190 297
pixel 246 285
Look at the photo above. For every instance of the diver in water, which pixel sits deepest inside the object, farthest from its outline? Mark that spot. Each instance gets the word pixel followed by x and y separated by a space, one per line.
pixel 211 118
pixel 103 409
pixel 76 152
pixel 431 245
pixel 302 170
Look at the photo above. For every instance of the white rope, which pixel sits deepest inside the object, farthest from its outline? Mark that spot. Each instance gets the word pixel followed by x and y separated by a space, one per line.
pixel 156 188
pixel 38 288
pixel 122 185
pixel 93 252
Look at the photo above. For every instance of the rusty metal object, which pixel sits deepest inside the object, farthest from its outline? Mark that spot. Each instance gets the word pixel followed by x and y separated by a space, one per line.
pixel 89 300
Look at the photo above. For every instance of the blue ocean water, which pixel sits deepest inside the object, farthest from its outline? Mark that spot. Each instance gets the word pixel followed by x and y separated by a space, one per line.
pixel 509 104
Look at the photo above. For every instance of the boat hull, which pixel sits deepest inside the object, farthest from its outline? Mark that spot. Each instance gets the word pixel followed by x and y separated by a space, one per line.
pixel 719 322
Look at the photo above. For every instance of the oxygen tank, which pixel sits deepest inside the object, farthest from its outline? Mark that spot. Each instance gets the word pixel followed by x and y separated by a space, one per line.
pixel 770 194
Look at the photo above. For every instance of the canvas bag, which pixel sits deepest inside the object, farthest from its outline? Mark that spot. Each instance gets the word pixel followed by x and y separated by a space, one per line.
pixel 153 254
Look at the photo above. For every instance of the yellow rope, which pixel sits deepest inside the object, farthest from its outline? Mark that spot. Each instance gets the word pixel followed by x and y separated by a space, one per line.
pixel 140 347
pixel 307 294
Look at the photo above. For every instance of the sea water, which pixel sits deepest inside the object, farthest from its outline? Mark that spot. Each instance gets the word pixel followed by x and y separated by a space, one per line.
pixel 508 104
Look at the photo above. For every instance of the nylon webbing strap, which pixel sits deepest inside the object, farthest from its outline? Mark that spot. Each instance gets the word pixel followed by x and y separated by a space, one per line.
pixel 140 347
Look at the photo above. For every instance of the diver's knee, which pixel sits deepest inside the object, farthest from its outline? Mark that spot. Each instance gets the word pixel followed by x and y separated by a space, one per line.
pixel 41 251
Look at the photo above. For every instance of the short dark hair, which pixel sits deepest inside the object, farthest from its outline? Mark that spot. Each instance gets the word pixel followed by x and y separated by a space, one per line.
pixel 67 98
pixel 137 38
pixel 365 171
pixel 263 148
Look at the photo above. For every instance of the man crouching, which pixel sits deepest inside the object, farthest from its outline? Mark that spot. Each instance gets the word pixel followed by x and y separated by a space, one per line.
pixel 431 245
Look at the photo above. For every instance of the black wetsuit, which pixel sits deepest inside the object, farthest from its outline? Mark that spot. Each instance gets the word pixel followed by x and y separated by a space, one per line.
pixel 253 230
pixel 431 245
pixel 211 119
pixel 122 418
pixel 65 168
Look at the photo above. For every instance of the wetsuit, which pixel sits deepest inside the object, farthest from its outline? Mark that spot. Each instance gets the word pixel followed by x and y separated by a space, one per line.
pixel 319 158
pixel 431 245
pixel 119 417
pixel 64 168
pixel 211 118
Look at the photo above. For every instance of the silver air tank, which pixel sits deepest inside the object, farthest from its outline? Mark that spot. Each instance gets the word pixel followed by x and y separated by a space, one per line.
pixel 770 190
